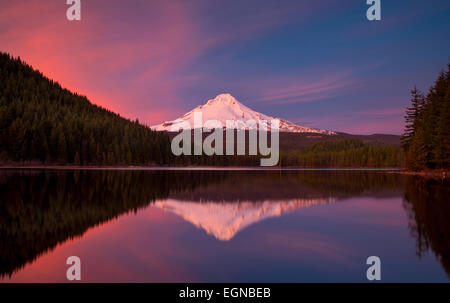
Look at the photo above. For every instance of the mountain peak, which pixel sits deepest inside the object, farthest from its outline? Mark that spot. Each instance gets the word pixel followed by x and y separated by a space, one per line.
pixel 223 98
pixel 225 107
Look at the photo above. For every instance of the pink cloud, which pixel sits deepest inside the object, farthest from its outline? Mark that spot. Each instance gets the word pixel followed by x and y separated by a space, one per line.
pixel 384 126
pixel 93 56
pixel 135 67
pixel 388 121
pixel 90 57
pixel 384 112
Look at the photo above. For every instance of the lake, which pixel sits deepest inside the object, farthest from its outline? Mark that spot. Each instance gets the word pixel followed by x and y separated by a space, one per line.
pixel 223 225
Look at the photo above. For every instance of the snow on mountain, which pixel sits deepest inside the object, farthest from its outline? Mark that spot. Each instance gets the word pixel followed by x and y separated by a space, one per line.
pixel 225 107
pixel 224 220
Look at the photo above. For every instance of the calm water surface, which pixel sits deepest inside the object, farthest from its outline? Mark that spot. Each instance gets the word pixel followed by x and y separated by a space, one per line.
pixel 222 226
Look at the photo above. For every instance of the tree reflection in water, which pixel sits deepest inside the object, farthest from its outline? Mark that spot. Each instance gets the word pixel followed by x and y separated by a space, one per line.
pixel 428 206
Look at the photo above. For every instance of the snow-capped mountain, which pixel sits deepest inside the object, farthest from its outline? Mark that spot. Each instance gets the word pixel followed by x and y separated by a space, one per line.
pixel 224 220
pixel 225 107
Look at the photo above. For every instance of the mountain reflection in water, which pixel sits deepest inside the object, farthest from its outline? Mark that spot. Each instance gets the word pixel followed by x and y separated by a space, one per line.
pixel 41 209
pixel 224 220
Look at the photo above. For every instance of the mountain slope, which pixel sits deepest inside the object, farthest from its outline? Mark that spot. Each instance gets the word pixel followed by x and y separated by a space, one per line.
pixel 44 123
pixel 225 107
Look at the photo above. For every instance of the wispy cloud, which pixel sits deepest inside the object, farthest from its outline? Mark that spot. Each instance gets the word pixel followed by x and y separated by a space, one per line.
pixel 314 84
pixel 308 91
pixel 382 112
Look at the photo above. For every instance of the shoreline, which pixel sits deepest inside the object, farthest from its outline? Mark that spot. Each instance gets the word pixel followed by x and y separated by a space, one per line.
pixel 155 168
pixel 431 174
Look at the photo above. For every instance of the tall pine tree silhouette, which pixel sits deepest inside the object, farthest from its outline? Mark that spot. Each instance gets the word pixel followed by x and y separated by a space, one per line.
pixel 426 139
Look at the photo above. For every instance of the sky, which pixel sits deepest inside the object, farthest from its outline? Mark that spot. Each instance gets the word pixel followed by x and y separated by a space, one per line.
pixel 316 63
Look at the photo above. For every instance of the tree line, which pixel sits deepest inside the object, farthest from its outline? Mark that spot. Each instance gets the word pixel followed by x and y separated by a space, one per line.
pixel 345 153
pixel 339 153
pixel 426 139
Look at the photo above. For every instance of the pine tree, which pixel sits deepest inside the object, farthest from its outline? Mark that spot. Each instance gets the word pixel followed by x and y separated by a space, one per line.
pixel 416 155
pixel 76 160
pixel 413 116
pixel 442 148
pixel 62 148
pixel 427 133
